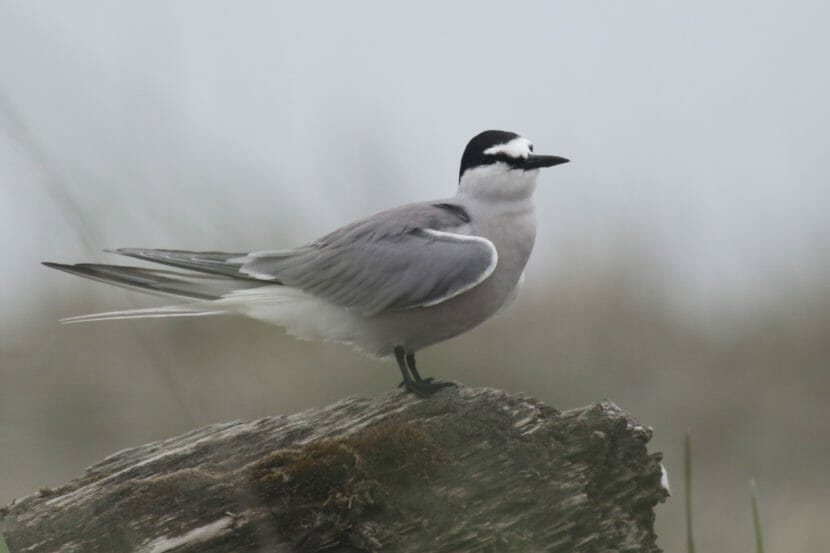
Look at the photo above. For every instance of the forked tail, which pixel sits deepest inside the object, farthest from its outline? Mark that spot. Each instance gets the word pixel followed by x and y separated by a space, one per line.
pixel 199 288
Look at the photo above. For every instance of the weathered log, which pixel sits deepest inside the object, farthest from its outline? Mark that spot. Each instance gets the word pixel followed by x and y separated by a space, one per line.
pixel 466 470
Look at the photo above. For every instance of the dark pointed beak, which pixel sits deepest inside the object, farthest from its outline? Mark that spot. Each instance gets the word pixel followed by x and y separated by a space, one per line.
pixel 537 161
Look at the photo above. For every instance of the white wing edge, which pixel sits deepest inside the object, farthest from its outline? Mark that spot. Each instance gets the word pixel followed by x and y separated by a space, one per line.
pixel 494 260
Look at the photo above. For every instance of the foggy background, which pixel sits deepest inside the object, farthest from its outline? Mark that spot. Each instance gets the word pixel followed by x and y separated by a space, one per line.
pixel 680 270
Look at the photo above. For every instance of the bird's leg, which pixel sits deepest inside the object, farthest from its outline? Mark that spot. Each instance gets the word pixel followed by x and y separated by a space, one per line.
pixel 400 357
pixel 412 381
pixel 410 362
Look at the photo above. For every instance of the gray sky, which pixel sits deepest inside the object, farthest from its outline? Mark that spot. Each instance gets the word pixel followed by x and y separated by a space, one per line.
pixel 698 133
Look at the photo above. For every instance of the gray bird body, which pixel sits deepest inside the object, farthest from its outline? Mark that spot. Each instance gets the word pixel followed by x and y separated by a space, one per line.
pixel 510 225
pixel 395 282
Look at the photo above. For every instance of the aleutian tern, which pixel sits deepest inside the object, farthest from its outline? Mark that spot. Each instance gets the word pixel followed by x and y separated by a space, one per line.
pixel 390 284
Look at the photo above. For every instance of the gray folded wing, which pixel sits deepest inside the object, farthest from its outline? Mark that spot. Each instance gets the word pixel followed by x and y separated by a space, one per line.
pixel 402 258
pixel 398 259
pixel 418 268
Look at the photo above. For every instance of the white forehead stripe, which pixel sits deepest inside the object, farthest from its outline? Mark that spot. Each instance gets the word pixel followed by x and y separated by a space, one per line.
pixel 518 147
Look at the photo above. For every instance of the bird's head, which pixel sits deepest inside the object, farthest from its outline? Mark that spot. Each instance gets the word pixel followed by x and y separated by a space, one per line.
pixel 501 163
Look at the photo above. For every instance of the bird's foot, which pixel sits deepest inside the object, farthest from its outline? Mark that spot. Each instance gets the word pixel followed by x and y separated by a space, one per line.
pixel 427 380
pixel 412 381
pixel 425 387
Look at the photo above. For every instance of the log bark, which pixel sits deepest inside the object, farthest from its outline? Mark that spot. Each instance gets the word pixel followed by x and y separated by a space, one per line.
pixel 467 470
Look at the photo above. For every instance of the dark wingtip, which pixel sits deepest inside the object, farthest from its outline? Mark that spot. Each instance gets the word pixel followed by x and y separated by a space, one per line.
pixel 72 269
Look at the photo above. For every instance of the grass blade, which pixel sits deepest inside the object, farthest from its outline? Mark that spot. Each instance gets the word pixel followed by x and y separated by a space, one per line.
pixel 756 520
pixel 687 473
pixel 3 547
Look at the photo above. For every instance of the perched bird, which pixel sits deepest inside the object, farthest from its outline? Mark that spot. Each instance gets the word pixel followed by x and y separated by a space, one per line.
pixel 390 284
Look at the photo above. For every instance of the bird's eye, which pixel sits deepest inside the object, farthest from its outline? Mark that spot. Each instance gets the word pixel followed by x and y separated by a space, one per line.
pixel 530 146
